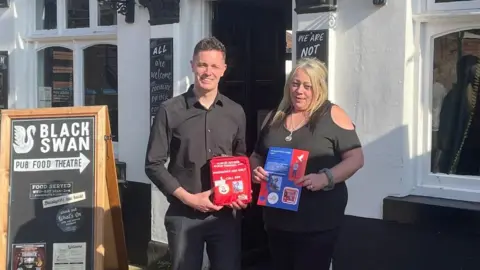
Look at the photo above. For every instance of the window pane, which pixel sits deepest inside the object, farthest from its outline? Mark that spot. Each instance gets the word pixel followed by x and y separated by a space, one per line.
pixel 101 82
pixel 78 15
pixel 46 14
pixel 107 14
pixel 456 104
pixel 55 77
pixel 448 1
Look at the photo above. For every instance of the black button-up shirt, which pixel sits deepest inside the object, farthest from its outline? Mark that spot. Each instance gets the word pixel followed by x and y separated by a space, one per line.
pixel 190 135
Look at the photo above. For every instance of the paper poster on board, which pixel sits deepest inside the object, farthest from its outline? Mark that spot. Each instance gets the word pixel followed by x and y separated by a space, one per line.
pixel 69 256
pixel 44 97
pixel 29 256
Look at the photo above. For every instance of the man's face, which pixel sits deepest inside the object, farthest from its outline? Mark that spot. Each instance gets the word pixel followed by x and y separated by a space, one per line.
pixel 208 67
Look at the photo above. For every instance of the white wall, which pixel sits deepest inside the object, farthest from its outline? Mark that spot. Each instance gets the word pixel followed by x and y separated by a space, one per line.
pixel 7 41
pixel 370 60
pixel 133 88
pixel 194 18
pixel 7 30
pixel 373 82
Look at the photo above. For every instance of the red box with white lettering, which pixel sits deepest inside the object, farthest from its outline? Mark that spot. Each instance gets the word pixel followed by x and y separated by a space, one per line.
pixel 231 179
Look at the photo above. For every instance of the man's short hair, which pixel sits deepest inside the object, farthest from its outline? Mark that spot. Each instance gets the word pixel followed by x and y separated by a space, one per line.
pixel 210 44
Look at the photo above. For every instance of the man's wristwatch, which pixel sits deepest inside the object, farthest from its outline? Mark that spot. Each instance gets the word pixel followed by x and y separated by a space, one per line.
pixel 329 175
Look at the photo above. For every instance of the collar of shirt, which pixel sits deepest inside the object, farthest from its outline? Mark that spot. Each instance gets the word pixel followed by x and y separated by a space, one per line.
pixel 192 100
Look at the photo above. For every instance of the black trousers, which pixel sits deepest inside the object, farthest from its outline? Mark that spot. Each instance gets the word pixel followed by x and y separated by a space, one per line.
pixel 188 231
pixel 301 251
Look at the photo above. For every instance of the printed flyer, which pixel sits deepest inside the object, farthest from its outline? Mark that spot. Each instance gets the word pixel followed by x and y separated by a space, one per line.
pixel 69 256
pixel 231 178
pixel 284 165
pixel 29 256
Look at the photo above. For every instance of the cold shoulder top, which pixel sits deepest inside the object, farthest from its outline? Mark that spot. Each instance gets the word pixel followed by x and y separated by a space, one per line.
pixel 325 141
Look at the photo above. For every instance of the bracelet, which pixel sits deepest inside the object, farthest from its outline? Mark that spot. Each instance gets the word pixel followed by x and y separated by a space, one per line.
pixel 331 183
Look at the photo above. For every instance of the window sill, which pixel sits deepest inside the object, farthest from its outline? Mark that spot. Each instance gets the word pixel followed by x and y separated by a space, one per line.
pixel 447 15
pixel 445 192
pixel 102 33
pixel 433 213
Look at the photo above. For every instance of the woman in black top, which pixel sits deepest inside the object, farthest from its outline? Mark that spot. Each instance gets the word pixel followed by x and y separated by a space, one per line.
pixel 306 120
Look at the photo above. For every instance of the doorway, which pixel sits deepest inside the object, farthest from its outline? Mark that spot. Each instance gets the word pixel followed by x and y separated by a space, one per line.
pixel 255 36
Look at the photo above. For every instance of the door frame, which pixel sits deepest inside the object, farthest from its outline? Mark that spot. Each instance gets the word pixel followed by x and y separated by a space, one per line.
pixel 208 20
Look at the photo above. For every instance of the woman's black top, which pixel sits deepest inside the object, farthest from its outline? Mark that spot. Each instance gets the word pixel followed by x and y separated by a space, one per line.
pixel 325 141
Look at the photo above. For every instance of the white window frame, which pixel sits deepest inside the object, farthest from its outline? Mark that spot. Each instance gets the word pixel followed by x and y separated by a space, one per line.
pixel 75 39
pixel 63 32
pixel 427 27
pixel 461 5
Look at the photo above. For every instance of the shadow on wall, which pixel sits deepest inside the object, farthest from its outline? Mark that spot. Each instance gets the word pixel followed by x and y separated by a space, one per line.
pixel 386 172
pixel 7 37
pixel 361 9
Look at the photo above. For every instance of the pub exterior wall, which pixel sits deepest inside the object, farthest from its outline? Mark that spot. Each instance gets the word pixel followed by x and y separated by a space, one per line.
pixel 8 31
pixel 372 79
pixel 374 50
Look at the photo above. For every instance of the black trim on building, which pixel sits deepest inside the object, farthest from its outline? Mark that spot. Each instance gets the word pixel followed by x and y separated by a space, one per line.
pixel 433 213
pixel 162 11
pixel 123 7
pixel 315 6
pixel 4 80
pixel 136 213
pixel 4 3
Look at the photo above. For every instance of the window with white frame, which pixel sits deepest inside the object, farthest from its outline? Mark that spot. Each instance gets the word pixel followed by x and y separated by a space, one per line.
pixel 72 14
pixel 449 5
pixel 76 55
pixel 455 112
pixel 449 103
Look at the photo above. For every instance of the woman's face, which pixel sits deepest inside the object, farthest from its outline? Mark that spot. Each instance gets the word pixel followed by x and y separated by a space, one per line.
pixel 301 90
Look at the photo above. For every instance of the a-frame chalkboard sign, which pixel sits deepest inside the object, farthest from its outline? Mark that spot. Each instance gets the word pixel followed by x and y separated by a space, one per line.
pixel 59 198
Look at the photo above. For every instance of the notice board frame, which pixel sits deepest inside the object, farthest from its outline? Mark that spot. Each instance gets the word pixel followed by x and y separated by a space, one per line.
pixel 109 242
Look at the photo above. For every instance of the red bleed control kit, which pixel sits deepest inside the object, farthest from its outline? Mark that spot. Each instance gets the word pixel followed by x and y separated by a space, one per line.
pixel 231 179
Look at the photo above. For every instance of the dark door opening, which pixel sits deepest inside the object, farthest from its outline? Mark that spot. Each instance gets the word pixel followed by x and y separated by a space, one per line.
pixel 254 33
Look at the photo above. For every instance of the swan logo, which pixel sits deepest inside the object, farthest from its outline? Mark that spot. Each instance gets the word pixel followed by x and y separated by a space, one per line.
pixel 23 139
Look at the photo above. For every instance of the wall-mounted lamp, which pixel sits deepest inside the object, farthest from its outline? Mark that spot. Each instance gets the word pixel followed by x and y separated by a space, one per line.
pixel 4 3
pixel 124 7
pixel 379 2
pixel 315 6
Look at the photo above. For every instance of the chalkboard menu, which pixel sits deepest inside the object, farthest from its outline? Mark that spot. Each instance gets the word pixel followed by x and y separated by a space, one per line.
pixel 161 73
pixel 3 80
pixel 313 43
pixel 52 189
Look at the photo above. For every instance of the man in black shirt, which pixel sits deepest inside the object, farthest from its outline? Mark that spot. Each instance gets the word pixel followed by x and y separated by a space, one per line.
pixel 190 129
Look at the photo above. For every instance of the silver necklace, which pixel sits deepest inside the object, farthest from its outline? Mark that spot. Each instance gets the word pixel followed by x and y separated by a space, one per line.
pixel 289 137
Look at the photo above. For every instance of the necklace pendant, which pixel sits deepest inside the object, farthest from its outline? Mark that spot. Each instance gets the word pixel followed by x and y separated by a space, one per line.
pixel 288 138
